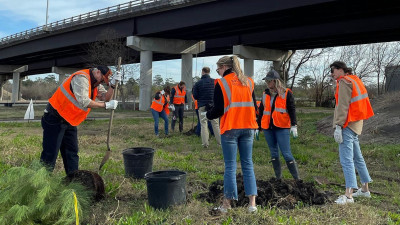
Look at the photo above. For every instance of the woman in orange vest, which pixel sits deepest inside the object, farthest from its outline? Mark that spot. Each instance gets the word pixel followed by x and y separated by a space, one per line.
pixel 352 107
pixel 277 118
pixel 178 100
pixel 68 107
pixel 235 105
pixel 158 109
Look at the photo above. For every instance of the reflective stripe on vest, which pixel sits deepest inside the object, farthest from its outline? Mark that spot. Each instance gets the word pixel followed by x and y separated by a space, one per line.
pixel 360 106
pixel 280 114
pixel 157 105
pixel 64 101
pixel 239 110
pixel 179 97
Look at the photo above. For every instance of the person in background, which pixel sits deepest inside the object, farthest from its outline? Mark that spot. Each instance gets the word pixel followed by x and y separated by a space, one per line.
pixel 178 99
pixel 277 118
pixel 198 126
pixel 203 92
pixel 69 107
pixel 158 109
pixel 352 107
pixel 234 103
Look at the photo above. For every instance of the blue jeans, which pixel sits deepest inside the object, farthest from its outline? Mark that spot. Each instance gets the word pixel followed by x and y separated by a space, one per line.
pixel 164 116
pixel 231 140
pixel 279 137
pixel 350 158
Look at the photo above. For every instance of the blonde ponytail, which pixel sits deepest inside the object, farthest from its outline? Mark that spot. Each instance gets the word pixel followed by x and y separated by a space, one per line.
pixel 233 62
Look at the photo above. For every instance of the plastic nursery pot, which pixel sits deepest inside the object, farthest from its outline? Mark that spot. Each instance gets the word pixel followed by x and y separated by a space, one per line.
pixel 138 161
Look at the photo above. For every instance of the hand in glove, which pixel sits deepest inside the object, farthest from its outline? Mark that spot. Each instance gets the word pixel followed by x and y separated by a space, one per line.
pixel 338 134
pixel 293 131
pixel 115 78
pixel 186 107
pixel 172 107
pixel 162 92
pixel 257 134
pixel 112 104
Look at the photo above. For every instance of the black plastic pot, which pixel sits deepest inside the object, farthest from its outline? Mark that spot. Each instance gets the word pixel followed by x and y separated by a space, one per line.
pixel 166 188
pixel 138 161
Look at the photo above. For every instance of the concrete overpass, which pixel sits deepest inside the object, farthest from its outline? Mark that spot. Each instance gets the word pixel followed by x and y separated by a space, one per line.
pixel 257 29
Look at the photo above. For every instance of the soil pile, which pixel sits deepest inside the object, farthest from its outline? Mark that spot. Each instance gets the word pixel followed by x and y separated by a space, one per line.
pixel 91 181
pixel 383 127
pixel 281 193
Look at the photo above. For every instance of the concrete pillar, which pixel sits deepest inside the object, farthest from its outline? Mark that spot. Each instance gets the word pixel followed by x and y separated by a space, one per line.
pixel 249 67
pixel 2 82
pixel 148 45
pixel 250 53
pixel 15 88
pixel 62 72
pixel 146 77
pixel 187 75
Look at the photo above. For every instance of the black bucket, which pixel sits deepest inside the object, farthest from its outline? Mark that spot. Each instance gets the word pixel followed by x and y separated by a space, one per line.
pixel 166 188
pixel 138 161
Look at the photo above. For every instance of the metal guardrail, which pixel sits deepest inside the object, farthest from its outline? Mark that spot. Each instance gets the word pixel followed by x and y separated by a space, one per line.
pixel 112 11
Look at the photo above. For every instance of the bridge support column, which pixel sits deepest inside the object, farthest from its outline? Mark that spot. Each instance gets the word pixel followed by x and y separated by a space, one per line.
pixel 249 67
pixel 2 82
pixel 187 75
pixel 148 45
pixel 62 72
pixel 249 54
pixel 15 70
pixel 146 76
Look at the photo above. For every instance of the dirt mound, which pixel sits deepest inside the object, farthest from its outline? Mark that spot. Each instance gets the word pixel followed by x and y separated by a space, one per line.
pixel 281 193
pixel 383 127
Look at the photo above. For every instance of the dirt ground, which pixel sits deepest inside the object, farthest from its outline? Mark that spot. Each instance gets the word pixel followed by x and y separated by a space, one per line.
pixel 282 193
pixel 383 127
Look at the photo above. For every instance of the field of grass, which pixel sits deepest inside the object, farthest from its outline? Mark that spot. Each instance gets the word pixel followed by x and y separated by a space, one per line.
pixel 126 201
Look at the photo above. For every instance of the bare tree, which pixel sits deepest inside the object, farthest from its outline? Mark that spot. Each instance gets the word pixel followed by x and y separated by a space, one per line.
pixel 300 58
pixel 384 55
pixel 106 50
pixel 358 57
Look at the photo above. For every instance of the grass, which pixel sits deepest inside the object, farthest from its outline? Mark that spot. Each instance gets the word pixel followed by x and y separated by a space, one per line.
pixel 126 201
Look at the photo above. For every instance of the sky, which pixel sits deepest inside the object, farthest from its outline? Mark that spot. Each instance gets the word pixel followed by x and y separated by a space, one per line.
pixel 20 15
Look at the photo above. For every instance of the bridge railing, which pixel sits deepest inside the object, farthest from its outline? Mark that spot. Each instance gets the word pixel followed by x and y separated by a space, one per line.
pixel 112 11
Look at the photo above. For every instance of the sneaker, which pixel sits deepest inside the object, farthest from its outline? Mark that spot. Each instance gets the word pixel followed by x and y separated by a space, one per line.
pixel 343 199
pixel 360 193
pixel 252 209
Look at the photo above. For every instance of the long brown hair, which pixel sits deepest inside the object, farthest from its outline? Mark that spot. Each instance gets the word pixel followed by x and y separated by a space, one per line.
pixel 233 62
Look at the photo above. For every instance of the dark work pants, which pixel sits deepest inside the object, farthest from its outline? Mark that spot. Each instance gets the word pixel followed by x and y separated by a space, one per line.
pixel 178 113
pixel 59 135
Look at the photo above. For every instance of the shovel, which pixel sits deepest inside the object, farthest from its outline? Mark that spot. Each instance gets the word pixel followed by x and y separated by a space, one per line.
pixel 108 152
pixel 324 181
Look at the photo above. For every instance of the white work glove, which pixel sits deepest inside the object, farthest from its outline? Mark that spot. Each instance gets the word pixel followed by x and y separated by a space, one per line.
pixel 293 131
pixel 187 107
pixel 257 134
pixel 172 107
pixel 162 92
pixel 112 104
pixel 338 134
pixel 115 78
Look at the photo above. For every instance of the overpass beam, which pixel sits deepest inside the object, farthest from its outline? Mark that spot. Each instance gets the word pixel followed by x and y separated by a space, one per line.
pixel 170 46
pixel 249 54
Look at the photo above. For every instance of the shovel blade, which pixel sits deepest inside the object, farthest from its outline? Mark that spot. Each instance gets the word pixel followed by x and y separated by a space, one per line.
pixel 105 158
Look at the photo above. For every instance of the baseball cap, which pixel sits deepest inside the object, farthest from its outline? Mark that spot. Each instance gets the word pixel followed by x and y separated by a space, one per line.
pixel 106 72
pixel 272 75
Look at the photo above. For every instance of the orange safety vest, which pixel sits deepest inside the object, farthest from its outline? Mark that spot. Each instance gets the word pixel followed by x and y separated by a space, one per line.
pixel 196 106
pixel 280 115
pixel 158 105
pixel 258 106
pixel 179 97
pixel 166 109
pixel 360 107
pixel 239 111
pixel 64 101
